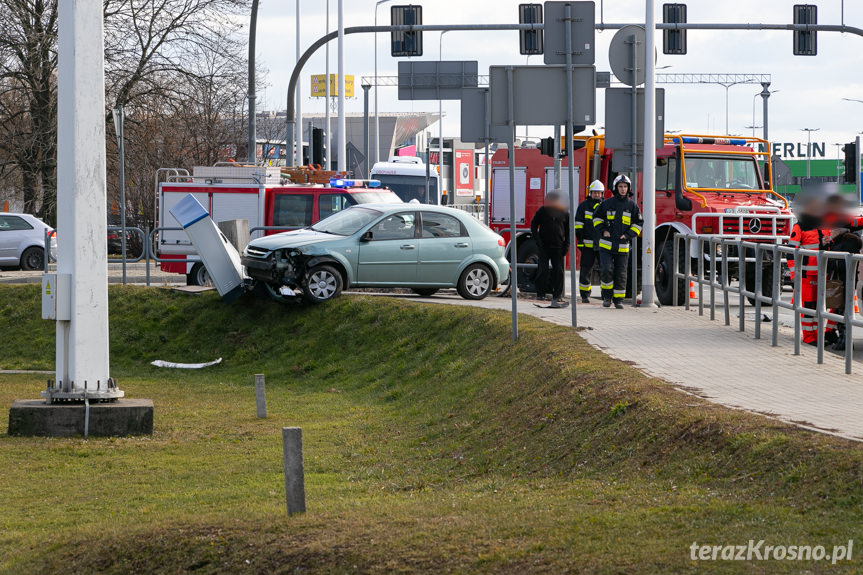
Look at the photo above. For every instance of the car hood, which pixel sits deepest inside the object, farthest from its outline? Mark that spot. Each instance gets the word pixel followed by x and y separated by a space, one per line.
pixel 292 239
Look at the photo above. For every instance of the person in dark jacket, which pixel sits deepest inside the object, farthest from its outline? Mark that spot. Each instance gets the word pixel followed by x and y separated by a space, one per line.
pixel 585 237
pixel 550 229
pixel 617 222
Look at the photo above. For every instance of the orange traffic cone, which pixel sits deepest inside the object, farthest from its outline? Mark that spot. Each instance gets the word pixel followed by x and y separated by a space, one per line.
pixel 856 307
pixel 692 290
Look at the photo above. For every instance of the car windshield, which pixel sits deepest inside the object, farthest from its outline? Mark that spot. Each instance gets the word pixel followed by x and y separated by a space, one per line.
pixel 346 222
pixel 726 173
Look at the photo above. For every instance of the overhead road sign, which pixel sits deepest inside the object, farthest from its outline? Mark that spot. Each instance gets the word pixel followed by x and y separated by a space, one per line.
pixel 539 95
pixel 475 118
pixel 583 25
pixel 436 80
pixel 619 123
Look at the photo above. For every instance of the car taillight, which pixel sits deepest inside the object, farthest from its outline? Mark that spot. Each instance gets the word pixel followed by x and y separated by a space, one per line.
pixel 501 242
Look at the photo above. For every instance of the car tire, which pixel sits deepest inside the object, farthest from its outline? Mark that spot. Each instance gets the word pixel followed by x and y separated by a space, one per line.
pixel 199 276
pixel 33 259
pixel 322 283
pixel 424 292
pixel 476 282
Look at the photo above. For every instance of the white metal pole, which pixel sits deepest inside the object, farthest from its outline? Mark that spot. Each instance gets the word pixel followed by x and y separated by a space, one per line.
pixel 570 164
pixel 343 141
pixel 858 174
pixel 299 127
pixel 327 96
pixel 440 123
pixel 82 341
pixel 377 138
pixel 648 173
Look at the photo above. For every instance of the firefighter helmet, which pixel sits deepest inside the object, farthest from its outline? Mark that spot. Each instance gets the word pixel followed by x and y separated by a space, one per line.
pixel 622 179
pixel 596 186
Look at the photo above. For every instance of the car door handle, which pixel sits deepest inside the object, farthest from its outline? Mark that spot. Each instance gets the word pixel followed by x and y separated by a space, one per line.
pixel 462 245
pixel 408 247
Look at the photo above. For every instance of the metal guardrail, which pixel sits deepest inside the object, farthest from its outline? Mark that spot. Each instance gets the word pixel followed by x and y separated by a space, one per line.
pixel 718 279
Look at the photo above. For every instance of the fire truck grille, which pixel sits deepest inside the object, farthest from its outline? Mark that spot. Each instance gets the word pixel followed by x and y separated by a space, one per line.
pixel 756 227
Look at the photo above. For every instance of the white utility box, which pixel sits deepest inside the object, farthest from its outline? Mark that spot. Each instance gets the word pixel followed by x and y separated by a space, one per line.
pixel 57 297
pixel 218 255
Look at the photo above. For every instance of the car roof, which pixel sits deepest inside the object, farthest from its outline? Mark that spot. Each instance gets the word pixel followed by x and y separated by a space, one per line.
pixel 25 216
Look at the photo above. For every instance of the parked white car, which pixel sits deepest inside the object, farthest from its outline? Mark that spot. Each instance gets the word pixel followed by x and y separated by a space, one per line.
pixel 22 241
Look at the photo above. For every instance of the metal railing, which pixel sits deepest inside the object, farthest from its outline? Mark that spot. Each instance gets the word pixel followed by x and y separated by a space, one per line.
pixel 476 210
pixel 713 273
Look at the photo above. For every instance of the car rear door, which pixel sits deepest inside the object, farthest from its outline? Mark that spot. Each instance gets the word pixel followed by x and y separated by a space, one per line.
pixel 444 244
pixel 390 256
pixel 13 231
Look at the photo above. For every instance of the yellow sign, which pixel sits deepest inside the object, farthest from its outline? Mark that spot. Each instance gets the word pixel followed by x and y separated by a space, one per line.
pixel 47 288
pixel 319 86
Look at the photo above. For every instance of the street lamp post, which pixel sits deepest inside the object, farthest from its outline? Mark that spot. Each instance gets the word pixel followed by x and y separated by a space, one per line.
pixel 440 119
pixel 377 138
pixel 327 163
pixel 808 147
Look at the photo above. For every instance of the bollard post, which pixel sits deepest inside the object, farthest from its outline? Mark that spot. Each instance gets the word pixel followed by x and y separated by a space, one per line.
pixel 261 395
pixel 295 484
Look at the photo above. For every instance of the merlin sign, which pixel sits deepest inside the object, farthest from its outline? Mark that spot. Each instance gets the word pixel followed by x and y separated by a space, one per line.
pixel 798 150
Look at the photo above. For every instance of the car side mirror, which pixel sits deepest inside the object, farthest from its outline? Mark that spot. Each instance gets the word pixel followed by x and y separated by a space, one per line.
pixel 366 237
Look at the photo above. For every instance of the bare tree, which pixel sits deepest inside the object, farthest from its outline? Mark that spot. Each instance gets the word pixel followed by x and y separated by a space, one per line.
pixel 155 51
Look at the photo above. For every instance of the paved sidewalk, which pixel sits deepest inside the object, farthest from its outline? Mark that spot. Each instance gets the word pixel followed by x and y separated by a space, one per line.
pixel 716 362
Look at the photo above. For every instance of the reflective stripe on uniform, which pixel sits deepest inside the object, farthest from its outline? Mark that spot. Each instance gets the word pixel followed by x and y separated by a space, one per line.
pixel 619 294
pixel 605 244
pixel 623 249
pixel 635 228
pixel 793 243
pixel 584 288
pixel 579 245
pixel 606 286
pixel 579 225
pixel 626 218
pixel 588 215
pixel 588 243
pixel 810 246
pixel 597 221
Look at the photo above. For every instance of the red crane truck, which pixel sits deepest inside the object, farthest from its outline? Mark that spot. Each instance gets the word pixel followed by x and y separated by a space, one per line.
pixel 704 184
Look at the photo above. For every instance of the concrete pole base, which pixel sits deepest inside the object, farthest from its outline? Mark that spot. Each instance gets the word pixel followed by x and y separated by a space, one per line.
pixel 35 417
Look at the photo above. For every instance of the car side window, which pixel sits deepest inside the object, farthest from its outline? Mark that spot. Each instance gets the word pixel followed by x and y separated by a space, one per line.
pixel 437 225
pixel 400 226
pixel 9 223
pixel 293 210
pixel 329 204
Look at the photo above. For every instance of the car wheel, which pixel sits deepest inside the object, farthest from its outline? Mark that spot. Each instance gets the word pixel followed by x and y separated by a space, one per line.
pixel 33 259
pixel 199 276
pixel 425 292
pixel 475 282
pixel 323 283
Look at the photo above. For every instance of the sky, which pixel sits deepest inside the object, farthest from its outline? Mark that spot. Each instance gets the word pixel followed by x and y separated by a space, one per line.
pixel 810 88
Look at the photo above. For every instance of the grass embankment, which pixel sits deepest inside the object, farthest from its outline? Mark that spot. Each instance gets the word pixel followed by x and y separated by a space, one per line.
pixel 432 444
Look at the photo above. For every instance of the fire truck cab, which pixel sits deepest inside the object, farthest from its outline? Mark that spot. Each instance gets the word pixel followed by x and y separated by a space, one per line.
pixel 704 185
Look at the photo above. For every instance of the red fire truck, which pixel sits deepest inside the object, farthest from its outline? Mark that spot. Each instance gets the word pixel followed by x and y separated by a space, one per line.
pixel 258 194
pixel 704 184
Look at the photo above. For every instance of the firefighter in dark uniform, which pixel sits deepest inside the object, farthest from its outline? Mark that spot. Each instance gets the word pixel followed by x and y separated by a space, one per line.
pixel 617 221
pixel 585 236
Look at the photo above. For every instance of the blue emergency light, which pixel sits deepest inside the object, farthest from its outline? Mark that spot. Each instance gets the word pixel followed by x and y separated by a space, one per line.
pixel 346 183
pixel 716 141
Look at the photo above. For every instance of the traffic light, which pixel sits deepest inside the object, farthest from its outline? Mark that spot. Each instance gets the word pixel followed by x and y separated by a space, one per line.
pixel 530 41
pixel 319 147
pixel 674 41
pixel 852 162
pixel 546 147
pixel 410 43
pixel 805 42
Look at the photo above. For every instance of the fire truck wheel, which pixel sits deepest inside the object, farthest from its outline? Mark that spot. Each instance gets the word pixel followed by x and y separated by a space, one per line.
pixel 199 276
pixel 664 278
pixel 528 253
pixel 323 283
pixel 425 292
pixel 766 280
pixel 475 282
